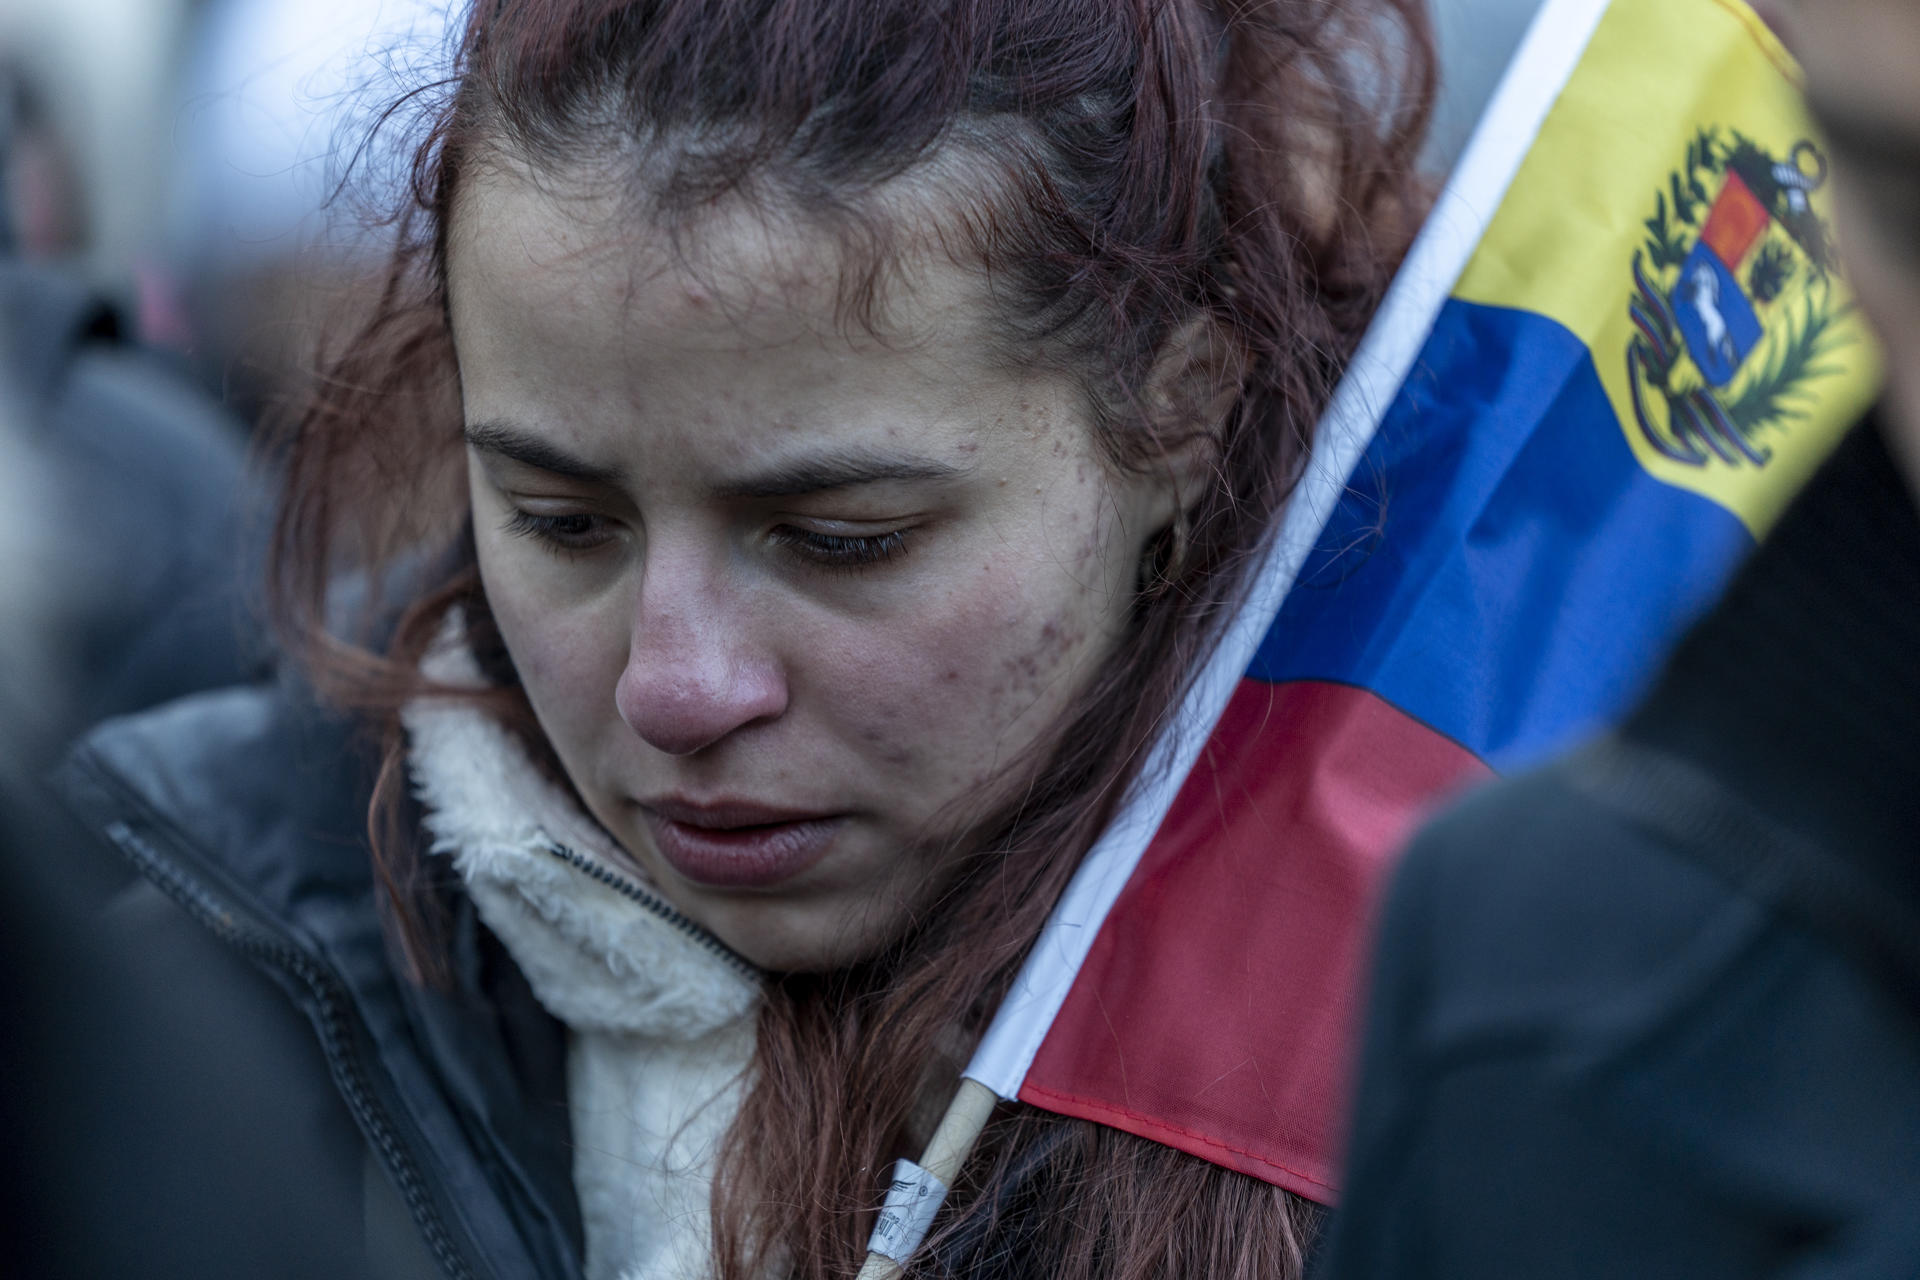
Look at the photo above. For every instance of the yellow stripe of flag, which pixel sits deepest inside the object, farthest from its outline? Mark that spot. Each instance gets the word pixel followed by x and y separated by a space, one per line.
pixel 1675 215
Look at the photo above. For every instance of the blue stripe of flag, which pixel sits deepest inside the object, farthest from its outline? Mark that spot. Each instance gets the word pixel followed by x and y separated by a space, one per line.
pixel 1502 568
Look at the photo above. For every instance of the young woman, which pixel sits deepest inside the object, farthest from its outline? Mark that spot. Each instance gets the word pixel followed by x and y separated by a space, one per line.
pixel 803 448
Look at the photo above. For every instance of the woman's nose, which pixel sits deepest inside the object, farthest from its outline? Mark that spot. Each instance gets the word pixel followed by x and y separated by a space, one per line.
pixel 693 673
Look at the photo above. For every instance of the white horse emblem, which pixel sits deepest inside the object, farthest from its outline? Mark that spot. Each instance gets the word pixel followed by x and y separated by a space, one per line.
pixel 1703 284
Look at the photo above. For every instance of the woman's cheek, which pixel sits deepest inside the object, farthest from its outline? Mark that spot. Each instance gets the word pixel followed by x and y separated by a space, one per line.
pixel 958 692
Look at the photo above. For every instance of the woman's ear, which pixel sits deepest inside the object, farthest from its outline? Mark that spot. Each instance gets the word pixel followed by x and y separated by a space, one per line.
pixel 1193 386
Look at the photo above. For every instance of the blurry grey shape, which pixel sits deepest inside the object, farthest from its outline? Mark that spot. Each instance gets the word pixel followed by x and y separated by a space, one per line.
pixel 1477 39
pixel 276 100
pixel 143 503
pixel 30 577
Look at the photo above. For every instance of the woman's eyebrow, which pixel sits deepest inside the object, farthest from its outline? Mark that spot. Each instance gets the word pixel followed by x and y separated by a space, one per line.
pixel 530 450
pixel 837 470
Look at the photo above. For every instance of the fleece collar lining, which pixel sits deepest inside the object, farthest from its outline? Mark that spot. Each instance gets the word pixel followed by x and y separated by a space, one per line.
pixel 597 959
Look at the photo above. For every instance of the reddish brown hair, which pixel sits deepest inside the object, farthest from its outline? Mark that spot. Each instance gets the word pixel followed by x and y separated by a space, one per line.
pixel 1243 169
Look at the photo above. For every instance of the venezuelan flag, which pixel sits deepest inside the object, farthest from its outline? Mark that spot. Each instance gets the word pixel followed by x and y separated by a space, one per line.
pixel 1646 355
pixel 1617 350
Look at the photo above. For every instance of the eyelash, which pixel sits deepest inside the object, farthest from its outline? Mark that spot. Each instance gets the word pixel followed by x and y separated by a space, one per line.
pixel 579 533
pixel 570 533
pixel 839 551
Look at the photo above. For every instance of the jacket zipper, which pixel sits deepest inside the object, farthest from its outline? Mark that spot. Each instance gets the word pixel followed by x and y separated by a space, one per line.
pixel 335 1027
pixel 653 902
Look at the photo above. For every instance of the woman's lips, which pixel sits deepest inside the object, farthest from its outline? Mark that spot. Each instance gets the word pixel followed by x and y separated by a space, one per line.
pixel 737 845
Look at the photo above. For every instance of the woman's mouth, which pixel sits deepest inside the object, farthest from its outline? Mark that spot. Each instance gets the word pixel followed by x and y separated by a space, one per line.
pixel 737 845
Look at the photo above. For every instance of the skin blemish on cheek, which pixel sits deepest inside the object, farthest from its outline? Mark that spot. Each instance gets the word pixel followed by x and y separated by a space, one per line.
pixel 885 747
pixel 1023 669
pixel 1028 675
pixel 1061 640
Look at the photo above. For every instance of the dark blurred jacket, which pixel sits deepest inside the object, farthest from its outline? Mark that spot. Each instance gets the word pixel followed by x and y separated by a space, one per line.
pixel 1655 1011
pixel 253 1088
pixel 141 511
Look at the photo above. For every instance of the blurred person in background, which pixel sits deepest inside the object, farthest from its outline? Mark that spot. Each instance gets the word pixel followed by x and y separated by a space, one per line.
pixel 153 579
pixel 97 76
pixel 148 475
pixel 121 586
pixel 179 156
pixel 105 1074
pixel 1655 1011
pixel 41 215
pixel 121 571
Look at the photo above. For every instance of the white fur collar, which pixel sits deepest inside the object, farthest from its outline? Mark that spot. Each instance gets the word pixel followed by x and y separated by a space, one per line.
pixel 598 959
pixel 661 1022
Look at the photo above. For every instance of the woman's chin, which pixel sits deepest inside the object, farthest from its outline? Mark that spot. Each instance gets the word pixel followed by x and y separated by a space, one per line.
pixel 814 934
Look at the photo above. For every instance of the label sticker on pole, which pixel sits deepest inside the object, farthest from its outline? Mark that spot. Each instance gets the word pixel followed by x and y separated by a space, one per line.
pixel 912 1201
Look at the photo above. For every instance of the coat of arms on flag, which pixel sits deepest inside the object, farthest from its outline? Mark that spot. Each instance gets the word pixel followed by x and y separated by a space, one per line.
pixel 1734 307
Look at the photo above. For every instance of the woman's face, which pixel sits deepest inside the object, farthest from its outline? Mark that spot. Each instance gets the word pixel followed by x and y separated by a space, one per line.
pixel 784 600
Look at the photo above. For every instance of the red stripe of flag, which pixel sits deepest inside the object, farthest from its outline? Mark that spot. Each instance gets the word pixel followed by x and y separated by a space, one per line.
pixel 1234 955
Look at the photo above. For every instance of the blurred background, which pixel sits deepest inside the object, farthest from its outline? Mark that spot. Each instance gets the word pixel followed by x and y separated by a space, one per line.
pixel 173 239
pixel 179 153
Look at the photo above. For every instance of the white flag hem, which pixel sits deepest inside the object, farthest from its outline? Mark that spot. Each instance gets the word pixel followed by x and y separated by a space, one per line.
pixel 1540 69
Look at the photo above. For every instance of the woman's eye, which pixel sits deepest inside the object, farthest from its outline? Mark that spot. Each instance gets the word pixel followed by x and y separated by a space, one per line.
pixel 574 532
pixel 843 551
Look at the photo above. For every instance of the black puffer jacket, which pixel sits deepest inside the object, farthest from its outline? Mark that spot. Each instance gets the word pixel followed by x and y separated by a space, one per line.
pixel 252 1089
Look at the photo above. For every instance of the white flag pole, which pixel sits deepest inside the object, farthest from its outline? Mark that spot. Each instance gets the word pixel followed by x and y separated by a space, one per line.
pixel 1540 69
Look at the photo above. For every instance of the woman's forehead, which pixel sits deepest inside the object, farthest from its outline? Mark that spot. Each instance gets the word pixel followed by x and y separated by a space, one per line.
pixel 731 363
pixel 740 273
